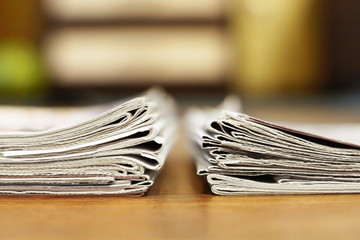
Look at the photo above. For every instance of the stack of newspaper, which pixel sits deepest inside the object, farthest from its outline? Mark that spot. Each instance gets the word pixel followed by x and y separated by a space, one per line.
pixel 119 151
pixel 243 155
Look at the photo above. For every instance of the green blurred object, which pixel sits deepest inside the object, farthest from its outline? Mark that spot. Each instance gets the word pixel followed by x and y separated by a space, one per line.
pixel 21 70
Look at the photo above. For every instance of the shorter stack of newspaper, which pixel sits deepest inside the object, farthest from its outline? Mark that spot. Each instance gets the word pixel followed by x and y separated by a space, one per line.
pixel 120 150
pixel 243 155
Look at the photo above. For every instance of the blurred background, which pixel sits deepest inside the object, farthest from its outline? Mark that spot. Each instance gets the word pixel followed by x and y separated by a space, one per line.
pixel 79 50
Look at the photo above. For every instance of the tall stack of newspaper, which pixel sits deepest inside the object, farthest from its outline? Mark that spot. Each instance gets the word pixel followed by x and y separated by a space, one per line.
pixel 240 154
pixel 120 150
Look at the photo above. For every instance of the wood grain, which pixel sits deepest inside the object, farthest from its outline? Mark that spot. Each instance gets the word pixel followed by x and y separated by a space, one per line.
pixel 180 206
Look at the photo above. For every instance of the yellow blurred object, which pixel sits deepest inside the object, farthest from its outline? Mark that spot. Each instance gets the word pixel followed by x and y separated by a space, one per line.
pixel 278 45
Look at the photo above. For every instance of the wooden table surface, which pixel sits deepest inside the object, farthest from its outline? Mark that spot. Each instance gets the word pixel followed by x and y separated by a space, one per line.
pixel 180 206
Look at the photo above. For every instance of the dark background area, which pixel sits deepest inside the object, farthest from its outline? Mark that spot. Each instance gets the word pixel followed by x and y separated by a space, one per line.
pixel 257 49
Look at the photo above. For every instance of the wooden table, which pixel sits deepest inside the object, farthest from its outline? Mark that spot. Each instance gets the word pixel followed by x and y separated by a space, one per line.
pixel 180 206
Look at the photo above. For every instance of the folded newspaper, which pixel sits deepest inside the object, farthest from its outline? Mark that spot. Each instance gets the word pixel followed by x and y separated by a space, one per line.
pixel 118 149
pixel 243 155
